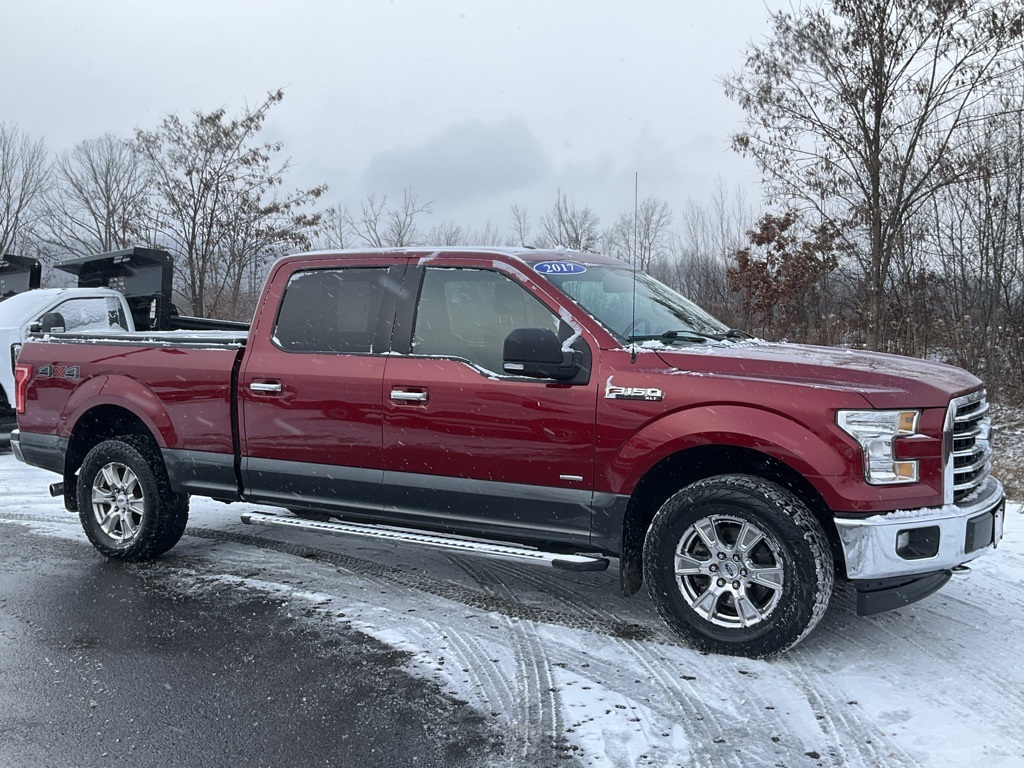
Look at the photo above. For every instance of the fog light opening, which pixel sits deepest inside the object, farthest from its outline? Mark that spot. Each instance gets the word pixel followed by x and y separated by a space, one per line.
pixel 918 543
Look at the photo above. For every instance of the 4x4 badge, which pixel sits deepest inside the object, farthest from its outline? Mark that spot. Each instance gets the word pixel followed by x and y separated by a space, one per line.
pixel 613 392
pixel 59 372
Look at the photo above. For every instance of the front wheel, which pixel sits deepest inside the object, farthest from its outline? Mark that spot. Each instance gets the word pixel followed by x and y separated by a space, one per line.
pixel 125 502
pixel 738 565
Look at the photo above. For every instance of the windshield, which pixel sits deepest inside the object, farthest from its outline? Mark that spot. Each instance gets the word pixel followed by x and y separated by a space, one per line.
pixel 606 293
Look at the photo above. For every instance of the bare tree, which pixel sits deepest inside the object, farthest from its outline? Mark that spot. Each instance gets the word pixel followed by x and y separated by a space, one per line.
pixel 569 226
pixel 335 229
pixel 382 226
pixel 486 235
pixel 858 108
pixel 642 239
pixel 701 250
pixel 446 233
pixel 974 236
pixel 24 178
pixel 520 225
pixel 217 204
pixel 99 198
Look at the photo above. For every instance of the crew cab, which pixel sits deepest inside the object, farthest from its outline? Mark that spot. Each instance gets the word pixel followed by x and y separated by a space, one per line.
pixel 551 406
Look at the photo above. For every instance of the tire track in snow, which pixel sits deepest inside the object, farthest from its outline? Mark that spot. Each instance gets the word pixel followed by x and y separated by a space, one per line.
pixel 686 702
pixel 538 727
pixel 950 616
pixel 675 696
pixel 506 604
pixel 851 737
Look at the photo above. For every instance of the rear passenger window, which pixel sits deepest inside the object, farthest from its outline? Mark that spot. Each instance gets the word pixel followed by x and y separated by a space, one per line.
pixel 331 310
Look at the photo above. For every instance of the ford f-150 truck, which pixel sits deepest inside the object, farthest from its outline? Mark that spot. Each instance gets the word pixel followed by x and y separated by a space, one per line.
pixel 555 407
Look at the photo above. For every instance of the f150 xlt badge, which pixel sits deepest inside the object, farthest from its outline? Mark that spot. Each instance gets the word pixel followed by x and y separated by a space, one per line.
pixel 59 372
pixel 613 392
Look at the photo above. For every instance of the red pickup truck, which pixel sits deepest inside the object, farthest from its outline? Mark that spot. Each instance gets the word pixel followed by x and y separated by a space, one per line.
pixel 550 406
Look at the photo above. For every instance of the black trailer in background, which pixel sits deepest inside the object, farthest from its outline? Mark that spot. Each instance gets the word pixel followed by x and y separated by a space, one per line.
pixel 146 278
pixel 18 274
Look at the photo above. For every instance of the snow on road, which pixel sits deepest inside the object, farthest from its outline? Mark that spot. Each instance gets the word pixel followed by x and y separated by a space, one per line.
pixel 572 669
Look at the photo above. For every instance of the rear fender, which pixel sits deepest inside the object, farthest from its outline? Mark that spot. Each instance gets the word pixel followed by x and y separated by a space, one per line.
pixel 124 392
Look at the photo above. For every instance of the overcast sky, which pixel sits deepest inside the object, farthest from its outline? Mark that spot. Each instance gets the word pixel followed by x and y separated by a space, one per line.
pixel 476 105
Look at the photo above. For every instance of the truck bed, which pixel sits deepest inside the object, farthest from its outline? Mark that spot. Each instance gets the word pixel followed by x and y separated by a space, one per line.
pixel 181 382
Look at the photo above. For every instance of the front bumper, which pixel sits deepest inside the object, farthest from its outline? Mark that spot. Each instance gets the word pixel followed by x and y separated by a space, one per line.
pixel 965 531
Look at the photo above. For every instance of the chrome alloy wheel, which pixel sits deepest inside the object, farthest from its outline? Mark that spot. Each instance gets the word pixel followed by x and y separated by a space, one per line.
pixel 729 571
pixel 118 503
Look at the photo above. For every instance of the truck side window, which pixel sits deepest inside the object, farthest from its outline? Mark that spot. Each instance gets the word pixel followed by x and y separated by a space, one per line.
pixel 467 313
pixel 331 310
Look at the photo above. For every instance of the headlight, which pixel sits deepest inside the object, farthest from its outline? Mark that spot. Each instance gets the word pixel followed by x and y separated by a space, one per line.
pixel 876 431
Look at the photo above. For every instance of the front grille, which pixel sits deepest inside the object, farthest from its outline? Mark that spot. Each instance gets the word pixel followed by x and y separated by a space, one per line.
pixel 969 446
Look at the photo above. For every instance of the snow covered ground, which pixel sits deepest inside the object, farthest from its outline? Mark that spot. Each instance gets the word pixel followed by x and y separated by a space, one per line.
pixel 573 669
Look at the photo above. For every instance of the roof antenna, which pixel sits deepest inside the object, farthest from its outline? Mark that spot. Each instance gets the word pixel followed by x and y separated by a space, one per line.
pixel 632 327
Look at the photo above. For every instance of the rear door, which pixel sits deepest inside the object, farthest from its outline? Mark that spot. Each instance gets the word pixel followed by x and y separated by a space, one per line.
pixel 467 446
pixel 310 420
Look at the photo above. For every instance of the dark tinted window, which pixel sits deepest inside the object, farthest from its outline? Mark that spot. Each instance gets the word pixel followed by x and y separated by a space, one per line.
pixel 331 310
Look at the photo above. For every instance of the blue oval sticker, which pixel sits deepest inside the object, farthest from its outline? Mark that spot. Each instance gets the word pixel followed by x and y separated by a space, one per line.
pixel 559 268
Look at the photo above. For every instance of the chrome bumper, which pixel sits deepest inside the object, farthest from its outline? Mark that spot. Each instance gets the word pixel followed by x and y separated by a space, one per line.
pixel 870 543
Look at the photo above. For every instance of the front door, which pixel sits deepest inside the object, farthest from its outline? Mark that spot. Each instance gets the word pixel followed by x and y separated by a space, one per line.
pixel 468 447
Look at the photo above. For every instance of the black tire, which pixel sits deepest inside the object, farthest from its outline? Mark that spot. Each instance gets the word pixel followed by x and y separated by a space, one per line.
pixel 125 502
pixel 738 565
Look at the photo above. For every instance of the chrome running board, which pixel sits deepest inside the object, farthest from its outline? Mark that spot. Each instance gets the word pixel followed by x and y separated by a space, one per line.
pixel 436 540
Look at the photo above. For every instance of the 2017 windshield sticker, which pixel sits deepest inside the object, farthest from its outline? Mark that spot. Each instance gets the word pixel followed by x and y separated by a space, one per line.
pixel 613 392
pixel 559 268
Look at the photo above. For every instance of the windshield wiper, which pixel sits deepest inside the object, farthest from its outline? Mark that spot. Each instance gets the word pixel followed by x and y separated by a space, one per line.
pixel 736 333
pixel 687 334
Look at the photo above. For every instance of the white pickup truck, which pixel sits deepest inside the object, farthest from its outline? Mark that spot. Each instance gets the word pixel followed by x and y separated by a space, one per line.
pixel 74 310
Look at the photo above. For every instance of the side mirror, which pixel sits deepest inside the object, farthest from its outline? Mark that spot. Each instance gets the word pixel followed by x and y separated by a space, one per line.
pixel 538 353
pixel 52 322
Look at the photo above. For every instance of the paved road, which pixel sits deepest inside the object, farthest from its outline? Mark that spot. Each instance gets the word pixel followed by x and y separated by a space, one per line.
pixel 105 664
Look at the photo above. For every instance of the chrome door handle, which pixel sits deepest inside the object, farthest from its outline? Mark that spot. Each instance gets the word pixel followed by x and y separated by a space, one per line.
pixel 259 386
pixel 408 397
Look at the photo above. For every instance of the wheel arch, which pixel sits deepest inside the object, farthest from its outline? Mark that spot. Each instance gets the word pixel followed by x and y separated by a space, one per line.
pixel 99 423
pixel 686 467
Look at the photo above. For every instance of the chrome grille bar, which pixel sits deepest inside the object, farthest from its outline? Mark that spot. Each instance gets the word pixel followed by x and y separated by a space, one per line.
pixel 968 446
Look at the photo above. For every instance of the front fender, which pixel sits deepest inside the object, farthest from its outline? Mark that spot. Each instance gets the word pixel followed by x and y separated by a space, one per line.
pixel 124 392
pixel 773 434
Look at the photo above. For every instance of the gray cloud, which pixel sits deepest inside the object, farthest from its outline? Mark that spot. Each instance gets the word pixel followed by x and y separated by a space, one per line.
pixel 471 159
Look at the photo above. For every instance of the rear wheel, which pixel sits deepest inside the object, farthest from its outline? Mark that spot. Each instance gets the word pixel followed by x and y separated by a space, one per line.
pixel 125 502
pixel 738 565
